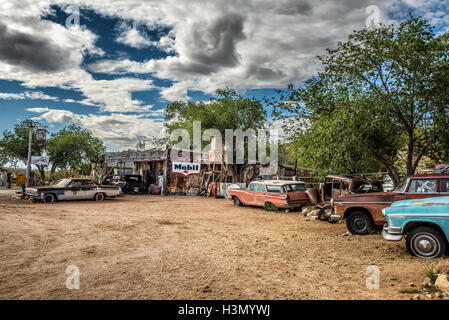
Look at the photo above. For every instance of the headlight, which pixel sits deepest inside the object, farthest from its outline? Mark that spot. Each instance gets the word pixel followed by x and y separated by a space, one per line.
pixel 383 211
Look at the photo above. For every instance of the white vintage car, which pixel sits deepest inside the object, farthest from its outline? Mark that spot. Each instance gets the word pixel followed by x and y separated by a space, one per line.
pixel 72 189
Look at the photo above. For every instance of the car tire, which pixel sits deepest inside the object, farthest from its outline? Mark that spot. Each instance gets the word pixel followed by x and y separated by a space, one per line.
pixel 324 213
pixel 359 223
pixel 270 207
pixel 425 242
pixel 237 202
pixel 99 197
pixel 49 198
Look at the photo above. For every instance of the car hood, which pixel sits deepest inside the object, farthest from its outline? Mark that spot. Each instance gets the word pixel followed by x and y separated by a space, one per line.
pixel 44 188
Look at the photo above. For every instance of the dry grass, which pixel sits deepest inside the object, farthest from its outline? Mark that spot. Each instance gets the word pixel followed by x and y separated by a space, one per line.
pixel 144 247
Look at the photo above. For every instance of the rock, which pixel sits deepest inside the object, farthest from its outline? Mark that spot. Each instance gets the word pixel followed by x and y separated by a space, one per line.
pixel 306 210
pixel 416 297
pixel 411 285
pixel 307 219
pixel 429 296
pixel 313 218
pixel 442 283
pixel 426 283
pixel 313 213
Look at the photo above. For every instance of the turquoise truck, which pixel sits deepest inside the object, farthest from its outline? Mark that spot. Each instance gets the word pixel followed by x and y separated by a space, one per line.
pixel 423 222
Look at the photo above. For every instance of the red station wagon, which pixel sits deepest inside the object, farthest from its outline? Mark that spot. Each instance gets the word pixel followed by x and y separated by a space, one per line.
pixel 271 194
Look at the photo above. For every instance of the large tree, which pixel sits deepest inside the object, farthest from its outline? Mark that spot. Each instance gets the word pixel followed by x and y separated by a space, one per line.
pixel 228 110
pixel 72 148
pixel 14 145
pixel 381 94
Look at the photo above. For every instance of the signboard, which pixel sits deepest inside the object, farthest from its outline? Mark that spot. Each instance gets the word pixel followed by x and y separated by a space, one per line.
pixel 38 160
pixel 21 179
pixel 186 168
pixel 41 137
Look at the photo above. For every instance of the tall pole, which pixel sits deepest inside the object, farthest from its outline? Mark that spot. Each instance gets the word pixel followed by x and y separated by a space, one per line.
pixel 30 139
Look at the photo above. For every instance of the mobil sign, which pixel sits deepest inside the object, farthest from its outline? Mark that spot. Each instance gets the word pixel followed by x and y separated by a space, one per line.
pixel 186 168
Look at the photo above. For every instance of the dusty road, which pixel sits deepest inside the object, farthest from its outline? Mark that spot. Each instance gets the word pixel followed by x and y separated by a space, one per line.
pixel 147 247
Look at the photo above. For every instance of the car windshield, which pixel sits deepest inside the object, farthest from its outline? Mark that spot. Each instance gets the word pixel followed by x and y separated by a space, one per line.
pixel 62 183
pixel 401 186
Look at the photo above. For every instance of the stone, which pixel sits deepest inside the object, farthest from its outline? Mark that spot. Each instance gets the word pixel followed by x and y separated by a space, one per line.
pixel 313 218
pixel 442 283
pixel 416 297
pixel 426 283
pixel 411 285
pixel 307 219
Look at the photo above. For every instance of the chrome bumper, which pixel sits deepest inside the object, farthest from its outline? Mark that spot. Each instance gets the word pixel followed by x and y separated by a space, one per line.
pixel 335 217
pixel 391 234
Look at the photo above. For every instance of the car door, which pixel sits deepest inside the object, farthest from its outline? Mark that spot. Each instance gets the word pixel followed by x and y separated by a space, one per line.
pixel 249 194
pixel 73 190
pixel 259 194
pixel 88 190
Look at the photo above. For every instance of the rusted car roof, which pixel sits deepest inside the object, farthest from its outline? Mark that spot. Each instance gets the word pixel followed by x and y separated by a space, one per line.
pixel 349 178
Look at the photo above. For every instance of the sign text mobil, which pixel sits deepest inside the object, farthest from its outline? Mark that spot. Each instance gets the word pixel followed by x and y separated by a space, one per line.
pixel 186 168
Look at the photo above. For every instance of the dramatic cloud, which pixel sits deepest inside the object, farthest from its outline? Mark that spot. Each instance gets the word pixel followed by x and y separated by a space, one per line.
pixel 32 52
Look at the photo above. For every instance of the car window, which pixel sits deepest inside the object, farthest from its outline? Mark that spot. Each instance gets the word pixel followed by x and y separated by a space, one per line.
pixel 298 187
pixel 75 184
pixel 252 187
pixel 87 184
pixel 260 188
pixel 336 184
pixel 275 189
pixel 445 185
pixel 423 186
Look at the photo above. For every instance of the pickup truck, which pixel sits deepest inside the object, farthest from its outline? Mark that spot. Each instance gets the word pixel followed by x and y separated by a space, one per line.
pixel 71 189
pixel 271 194
pixel 424 223
pixel 363 212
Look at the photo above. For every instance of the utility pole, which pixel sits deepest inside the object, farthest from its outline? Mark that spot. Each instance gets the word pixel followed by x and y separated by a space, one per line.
pixel 30 140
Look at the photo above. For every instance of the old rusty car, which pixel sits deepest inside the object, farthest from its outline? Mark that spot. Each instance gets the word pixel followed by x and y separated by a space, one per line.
pixel 335 186
pixel 424 223
pixel 363 212
pixel 72 189
pixel 271 194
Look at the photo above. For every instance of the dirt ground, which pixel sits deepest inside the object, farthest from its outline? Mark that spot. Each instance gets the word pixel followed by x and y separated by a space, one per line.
pixel 152 247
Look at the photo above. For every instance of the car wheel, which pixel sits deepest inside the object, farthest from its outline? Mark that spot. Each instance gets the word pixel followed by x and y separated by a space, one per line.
pixel 270 207
pixel 237 202
pixel 425 242
pixel 324 213
pixel 99 197
pixel 359 223
pixel 49 198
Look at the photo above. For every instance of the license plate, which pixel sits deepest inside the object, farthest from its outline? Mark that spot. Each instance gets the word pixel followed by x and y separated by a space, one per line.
pixel 136 189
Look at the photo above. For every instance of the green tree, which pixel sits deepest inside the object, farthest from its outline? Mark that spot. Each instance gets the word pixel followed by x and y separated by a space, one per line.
pixel 14 145
pixel 228 110
pixel 72 148
pixel 381 93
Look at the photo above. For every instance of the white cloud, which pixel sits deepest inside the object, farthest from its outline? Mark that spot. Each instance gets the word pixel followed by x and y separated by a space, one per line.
pixel 132 37
pixel 34 95
pixel 116 129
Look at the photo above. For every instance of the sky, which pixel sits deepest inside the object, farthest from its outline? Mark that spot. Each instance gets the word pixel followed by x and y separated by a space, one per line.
pixel 112 66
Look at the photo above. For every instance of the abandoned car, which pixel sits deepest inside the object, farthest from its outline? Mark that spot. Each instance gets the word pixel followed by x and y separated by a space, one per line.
pixel 363 212
pixel 424 223
pixel 335 186
pixel 134 184
pixel 72 189
pixel 271 194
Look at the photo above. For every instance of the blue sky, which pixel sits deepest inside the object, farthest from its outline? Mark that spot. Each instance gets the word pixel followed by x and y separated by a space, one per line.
pixel 115 71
